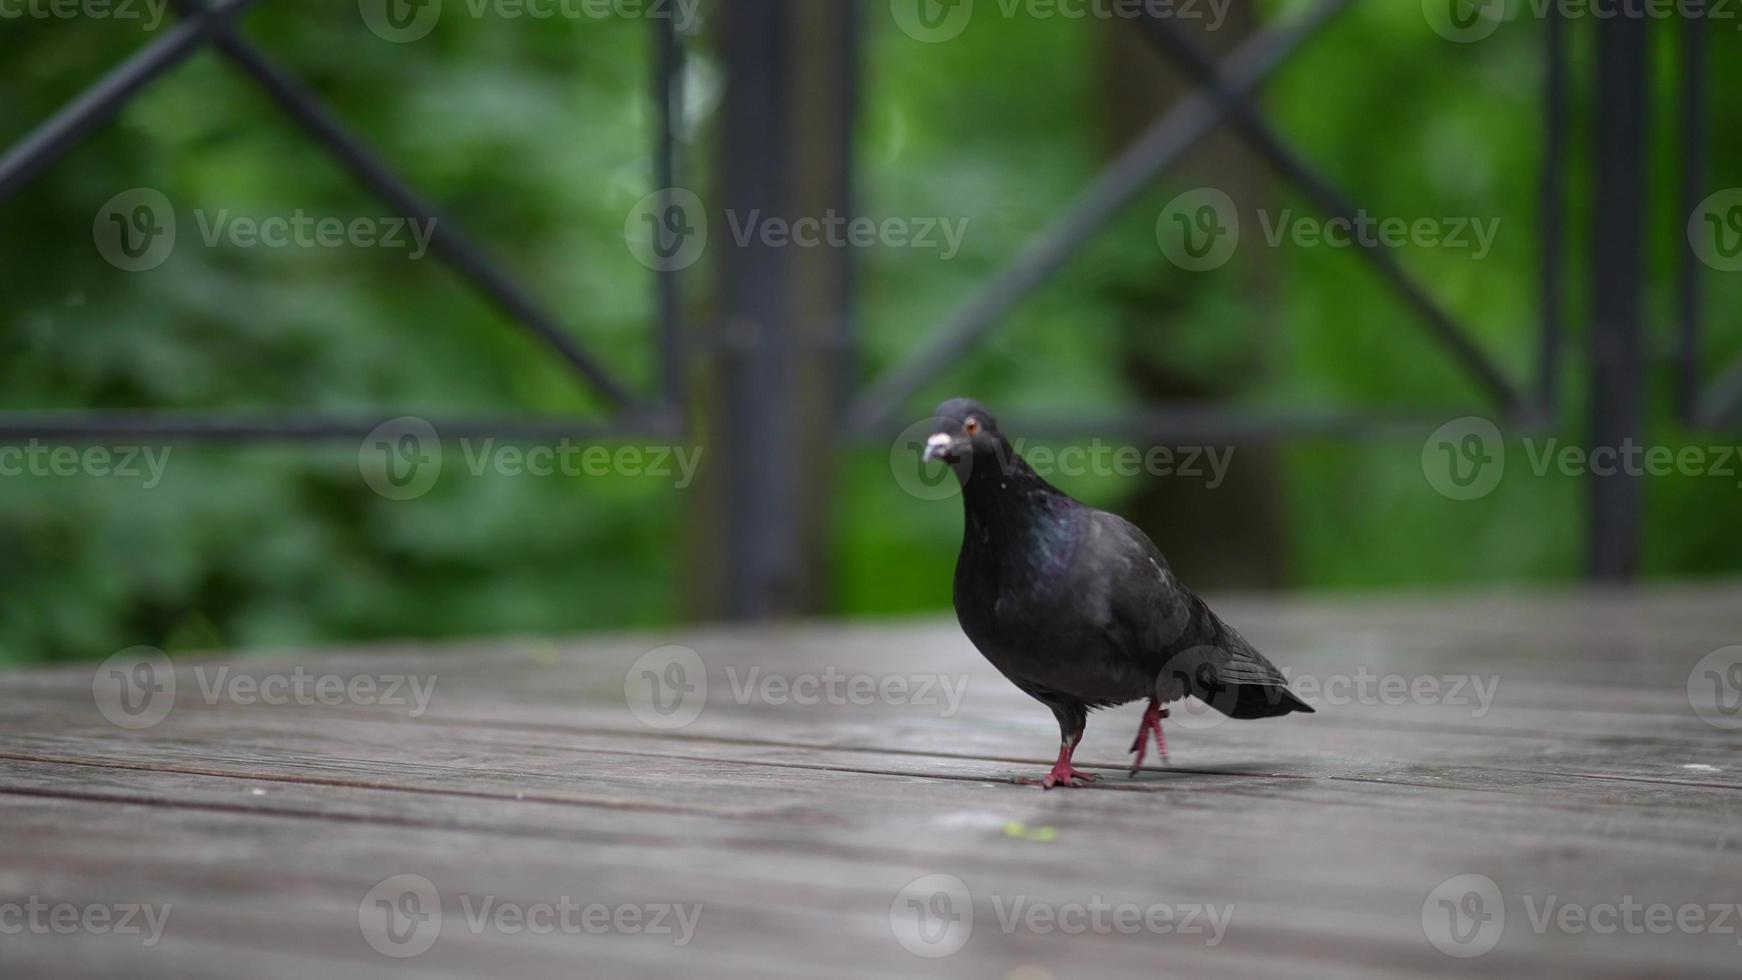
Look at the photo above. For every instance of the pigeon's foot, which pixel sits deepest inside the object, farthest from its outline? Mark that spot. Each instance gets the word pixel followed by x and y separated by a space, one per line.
pixel 1151 722
pixel 1063 773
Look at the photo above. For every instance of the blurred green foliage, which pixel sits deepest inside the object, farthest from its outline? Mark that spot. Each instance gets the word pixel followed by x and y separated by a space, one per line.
pixel 534 135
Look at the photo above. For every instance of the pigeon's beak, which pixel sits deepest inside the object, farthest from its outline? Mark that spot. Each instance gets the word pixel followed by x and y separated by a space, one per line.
pixel 940 446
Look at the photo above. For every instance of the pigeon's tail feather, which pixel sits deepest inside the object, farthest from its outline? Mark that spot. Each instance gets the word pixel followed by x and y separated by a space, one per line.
pixel 1260 701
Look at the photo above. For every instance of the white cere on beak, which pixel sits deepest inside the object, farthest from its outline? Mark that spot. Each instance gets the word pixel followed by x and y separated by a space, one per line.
pixel 937 442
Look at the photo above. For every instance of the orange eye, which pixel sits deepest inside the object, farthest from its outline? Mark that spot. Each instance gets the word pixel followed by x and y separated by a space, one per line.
pixel 972 427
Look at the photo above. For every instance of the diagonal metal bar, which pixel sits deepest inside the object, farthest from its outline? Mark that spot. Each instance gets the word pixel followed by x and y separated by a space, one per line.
pixel 94 106
pixel 1163 143
pixel 1262 138
pixel 446 237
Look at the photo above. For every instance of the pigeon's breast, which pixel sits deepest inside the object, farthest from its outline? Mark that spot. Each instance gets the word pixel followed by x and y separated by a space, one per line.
pixel 1029 598
pixel 1045 638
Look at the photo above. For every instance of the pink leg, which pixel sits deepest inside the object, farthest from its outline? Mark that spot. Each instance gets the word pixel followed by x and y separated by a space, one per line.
pixel 1152 717
pixel 1063 773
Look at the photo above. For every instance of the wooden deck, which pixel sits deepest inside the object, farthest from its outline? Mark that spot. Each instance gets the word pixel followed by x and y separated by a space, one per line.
pixel 849 837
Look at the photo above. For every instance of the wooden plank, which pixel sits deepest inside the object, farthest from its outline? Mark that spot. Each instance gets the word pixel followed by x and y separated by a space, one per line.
pixel 780 890
pixel 1588 777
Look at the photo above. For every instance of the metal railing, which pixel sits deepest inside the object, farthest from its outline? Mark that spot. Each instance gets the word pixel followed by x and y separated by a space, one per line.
pixel 1224 94
pixel 203 26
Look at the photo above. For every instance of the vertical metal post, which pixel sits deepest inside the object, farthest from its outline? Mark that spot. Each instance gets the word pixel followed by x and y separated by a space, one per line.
pixel 774 419
pixel 756 458
pixel 668 296
pixel 1553 217
pixel 1693 178
pixel 1617 280
pixel 825 102
pixel 844 108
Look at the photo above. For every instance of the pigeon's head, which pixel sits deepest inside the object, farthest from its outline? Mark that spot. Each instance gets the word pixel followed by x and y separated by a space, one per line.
pixel 962 429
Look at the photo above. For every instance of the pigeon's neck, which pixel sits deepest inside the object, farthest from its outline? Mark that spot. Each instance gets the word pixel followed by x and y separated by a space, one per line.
pixel 1004 491
pixel 1017 527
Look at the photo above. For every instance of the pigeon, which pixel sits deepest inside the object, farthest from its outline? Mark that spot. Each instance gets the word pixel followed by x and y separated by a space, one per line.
pixel 1078 608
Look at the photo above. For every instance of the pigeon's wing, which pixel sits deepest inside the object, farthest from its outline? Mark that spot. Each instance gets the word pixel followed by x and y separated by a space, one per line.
pixel 1174 636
